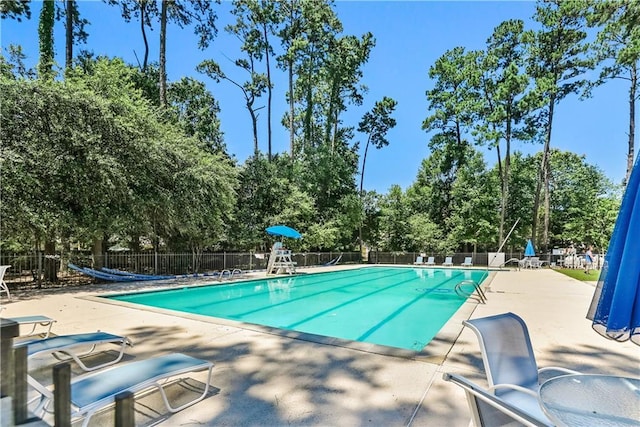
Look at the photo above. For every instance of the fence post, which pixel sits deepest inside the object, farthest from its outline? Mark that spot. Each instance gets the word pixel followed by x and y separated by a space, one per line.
pixel 20 385
pixel 39 269
pixel 8 331
pixel 250 260
pixel 62 394
pixel 155 262
pixel 224 260
pixel 125 415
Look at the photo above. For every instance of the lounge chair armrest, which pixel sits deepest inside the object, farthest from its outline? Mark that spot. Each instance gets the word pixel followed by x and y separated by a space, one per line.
pixel 515 387
pixel 558 369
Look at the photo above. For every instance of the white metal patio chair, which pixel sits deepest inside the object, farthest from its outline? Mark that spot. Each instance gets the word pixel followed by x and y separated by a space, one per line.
pixel 509 361
pixel 3 284
pixel 489 410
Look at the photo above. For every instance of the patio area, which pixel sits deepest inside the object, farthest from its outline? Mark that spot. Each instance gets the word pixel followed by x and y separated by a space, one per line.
pixel 268 379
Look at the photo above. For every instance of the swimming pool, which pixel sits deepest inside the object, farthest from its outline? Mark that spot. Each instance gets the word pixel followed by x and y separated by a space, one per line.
pixel 400 307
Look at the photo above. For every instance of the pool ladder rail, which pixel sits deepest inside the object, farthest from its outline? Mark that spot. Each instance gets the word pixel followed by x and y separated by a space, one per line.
pixel 228 274
pixel 477 293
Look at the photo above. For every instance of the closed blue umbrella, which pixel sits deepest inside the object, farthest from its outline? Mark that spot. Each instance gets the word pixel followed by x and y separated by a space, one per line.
pixel 284 231
pixel 529 251
pixel 615 308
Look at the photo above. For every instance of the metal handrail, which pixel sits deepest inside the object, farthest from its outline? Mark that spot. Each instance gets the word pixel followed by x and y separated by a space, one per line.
pixel 482 298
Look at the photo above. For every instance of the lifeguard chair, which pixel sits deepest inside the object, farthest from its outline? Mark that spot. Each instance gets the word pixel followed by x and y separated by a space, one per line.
pixel 280 260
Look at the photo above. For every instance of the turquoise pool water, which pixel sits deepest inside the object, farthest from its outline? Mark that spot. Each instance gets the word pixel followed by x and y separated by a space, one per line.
pixel 399 307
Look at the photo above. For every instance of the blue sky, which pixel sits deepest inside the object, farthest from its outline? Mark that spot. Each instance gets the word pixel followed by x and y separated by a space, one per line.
pixel 410 36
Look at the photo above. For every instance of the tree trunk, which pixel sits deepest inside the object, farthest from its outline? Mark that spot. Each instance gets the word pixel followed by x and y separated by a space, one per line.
pixel 50 262
pixel 269 89
pixel 503 201
pixel 65 253
pixel 97 253
pixel 632 121
pixel 543 177
pixel 254 124
pixel 163 51
pixel 364 161
pixel 143 11
pixel 292 130
pixel 547 204
pixel 69 34
pixel 45 34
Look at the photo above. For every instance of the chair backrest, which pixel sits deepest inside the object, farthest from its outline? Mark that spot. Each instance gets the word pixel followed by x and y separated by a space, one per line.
pixel 419 260
pixel 467 260
pixel 448 260
pixel 3 269
pixel 431 260
pixel 506 350
pixel 488 410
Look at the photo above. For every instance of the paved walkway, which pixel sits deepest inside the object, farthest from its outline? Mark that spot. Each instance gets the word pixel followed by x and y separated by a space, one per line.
pixel 262 379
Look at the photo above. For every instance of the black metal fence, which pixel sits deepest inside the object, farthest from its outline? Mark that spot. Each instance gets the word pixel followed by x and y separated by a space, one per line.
pixel 31 268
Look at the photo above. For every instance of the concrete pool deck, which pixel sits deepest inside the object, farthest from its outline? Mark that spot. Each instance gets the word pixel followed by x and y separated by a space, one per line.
pixel 266 379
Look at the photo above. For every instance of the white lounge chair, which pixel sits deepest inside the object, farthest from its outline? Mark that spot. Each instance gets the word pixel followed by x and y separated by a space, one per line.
pixel 95 391
pixel 3 284
pixel 509 361
pixel 419 261
pixel 448 261
pixel 64 347
pixel 430 261
pixel 467 262
pixel 489 410
pixel 34 321
pixel 535 262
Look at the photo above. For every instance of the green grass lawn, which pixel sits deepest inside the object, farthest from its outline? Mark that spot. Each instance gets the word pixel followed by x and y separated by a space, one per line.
pixel 579 274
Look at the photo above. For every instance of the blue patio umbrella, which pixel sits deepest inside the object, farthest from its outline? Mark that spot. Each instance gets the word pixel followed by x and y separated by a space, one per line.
pixel 284 231
pixel 615 308
pixel 529 251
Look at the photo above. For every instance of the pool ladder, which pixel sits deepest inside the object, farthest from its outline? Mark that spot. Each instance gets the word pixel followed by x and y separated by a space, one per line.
pixel 479 296
pixel 229 273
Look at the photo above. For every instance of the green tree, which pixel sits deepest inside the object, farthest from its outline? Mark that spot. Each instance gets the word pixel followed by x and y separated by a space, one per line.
pixel 558 65
pixel 394 227
pixel 424 234
pixel 15 9
pixel 318 26
pixel 14 66
pixel 343 74
pixel 376 124
pixel 74 29
pixel 617 48
pixel 504 84
pixel 291 16
pixel 371 235
pixel 579 199
pixel 143 10
pixel 101 164
pixel 256 21
pixel 196 111
pixel 183 13
pixel 45 35
pixel 251 89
